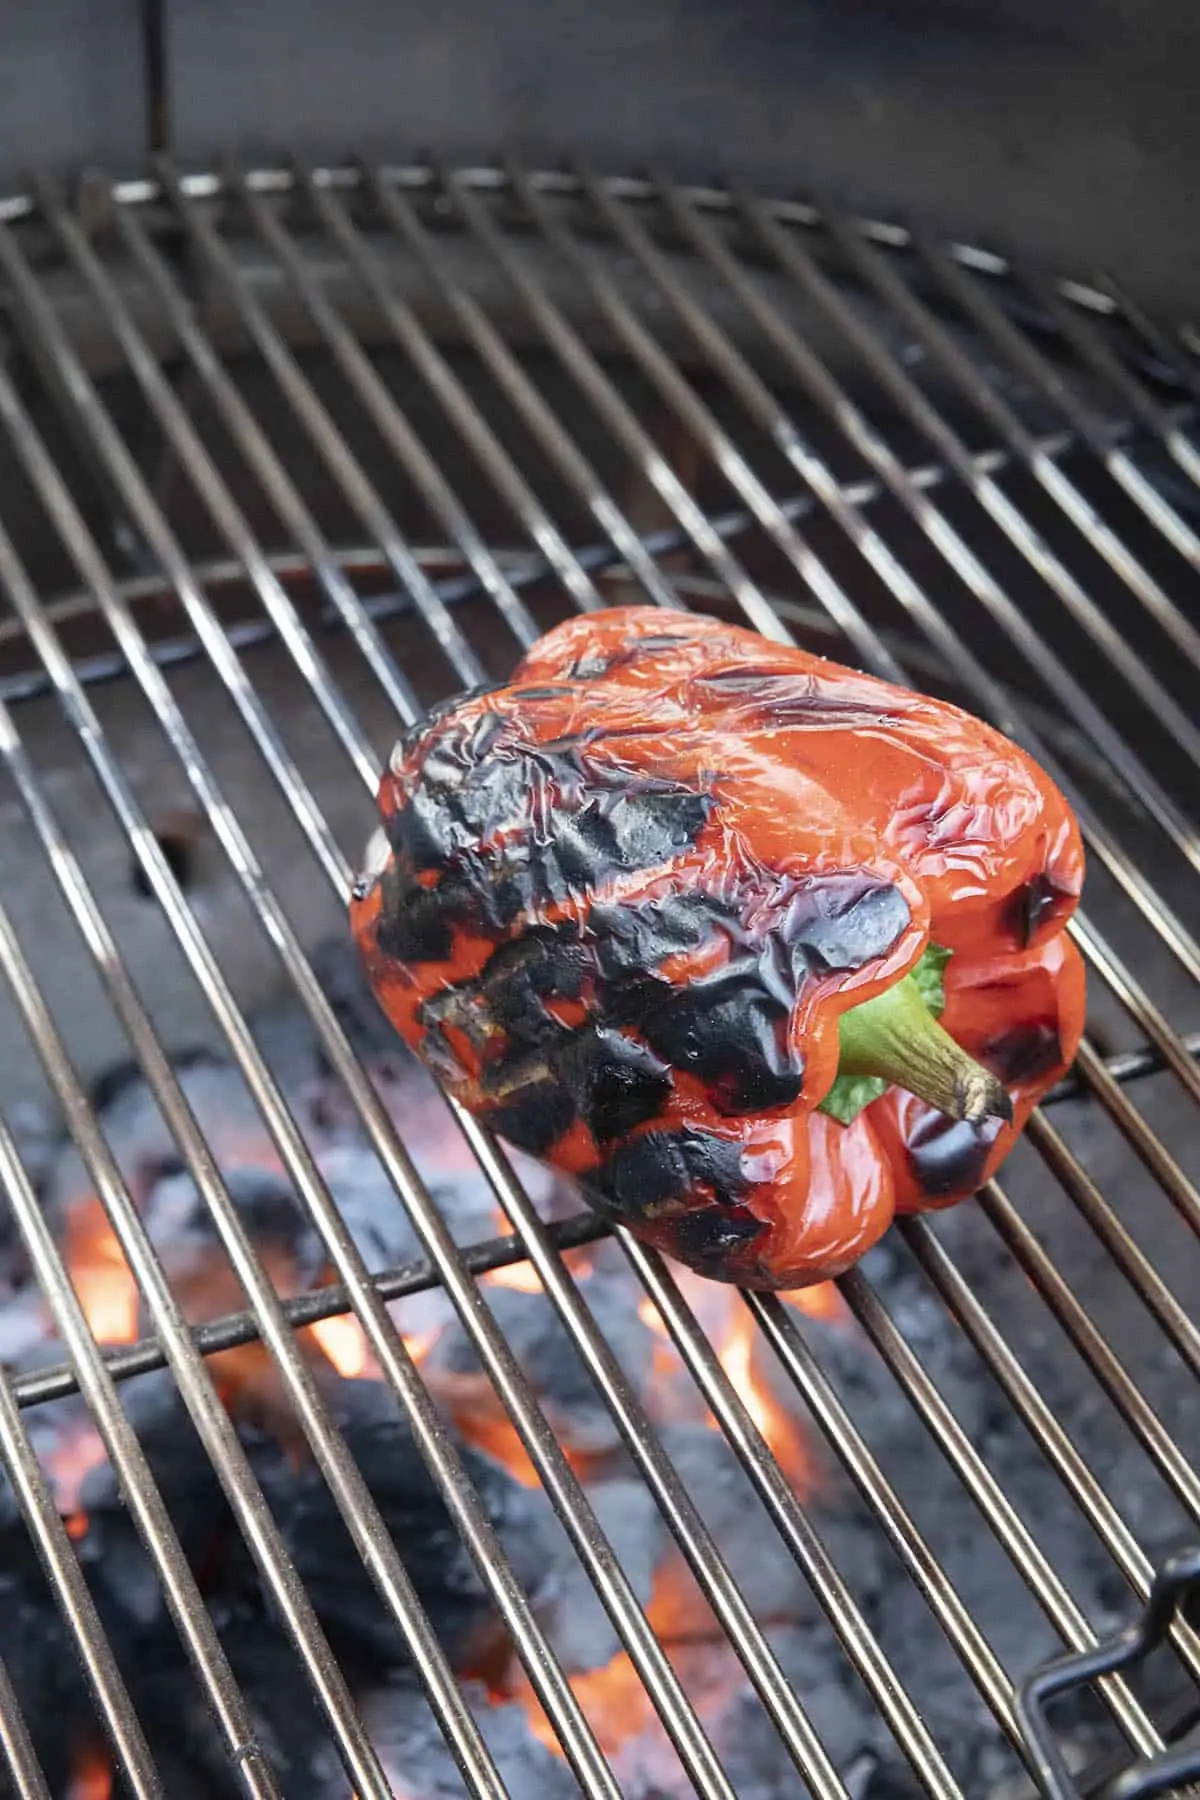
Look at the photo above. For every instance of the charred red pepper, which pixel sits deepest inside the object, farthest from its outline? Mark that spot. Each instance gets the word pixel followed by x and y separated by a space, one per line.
pixel 759 949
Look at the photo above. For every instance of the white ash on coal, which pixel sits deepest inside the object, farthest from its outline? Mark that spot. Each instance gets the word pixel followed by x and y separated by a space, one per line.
pixel 365 1639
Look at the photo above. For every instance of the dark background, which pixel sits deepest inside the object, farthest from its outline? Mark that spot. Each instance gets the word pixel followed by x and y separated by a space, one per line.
pixel 1058 130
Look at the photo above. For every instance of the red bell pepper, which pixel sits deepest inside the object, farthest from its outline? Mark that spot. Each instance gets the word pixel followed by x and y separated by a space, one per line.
pixel 759 949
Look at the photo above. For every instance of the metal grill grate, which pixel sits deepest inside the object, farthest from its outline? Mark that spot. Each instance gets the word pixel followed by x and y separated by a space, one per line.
pixel 290 455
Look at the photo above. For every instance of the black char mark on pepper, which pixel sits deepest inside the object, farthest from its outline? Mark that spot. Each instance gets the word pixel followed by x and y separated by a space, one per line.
pixel 661 1171
pixel 709 1238
pixel 614 1082
pixel 1032 904
pixel 947 1156
pixel 838 922
pixel 730 1031
pixel 535 1117
pixel 1025 1053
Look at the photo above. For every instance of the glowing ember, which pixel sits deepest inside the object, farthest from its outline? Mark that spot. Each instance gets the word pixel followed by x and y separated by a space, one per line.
pixel 522 1276
pixel 615 1703
pixel 92 1777
pixel 100 1275
pixel 824 1301
pixel 345 1344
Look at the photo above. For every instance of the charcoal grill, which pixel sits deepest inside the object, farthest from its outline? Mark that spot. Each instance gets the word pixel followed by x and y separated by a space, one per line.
pixel 291 453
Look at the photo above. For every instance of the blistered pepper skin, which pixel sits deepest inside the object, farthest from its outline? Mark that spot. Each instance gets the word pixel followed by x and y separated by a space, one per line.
pixel 619 904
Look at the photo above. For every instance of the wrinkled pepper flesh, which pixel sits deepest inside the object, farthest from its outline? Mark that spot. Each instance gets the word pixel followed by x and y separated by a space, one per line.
pixel 759 950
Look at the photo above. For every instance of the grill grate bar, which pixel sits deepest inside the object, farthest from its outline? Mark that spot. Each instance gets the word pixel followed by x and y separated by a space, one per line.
pixel 145 1502
pixel 684 1521
pixel 319 426
pixel 454 1269
pixel 848 616
pixel 984 1491
pixel 794 1526
pixel 354 1501
pixel 1061 489
pixel 584 368
pixel 1100 1358
pixel 252 441
pixel 76 1604
pixel 933 521
pixel 344 1479
pixel 388 418
pixel 528 403
pixel 455 401
pixel 1086 1491
pixel 1093 432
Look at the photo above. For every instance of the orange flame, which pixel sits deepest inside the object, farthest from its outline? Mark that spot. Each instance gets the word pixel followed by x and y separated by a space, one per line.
pixel 345 1344
pixel 522 1276
pixel 100 1275
pixel 824 1301
pixel 92 1777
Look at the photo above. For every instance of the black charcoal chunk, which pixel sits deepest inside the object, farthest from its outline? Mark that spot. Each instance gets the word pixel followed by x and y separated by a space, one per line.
pixel 550 1361
pixel 730 1031
pixel 647 1173
pixel 580 1631
pixel 417 1761
pixel 614 1082
pixel 360 1628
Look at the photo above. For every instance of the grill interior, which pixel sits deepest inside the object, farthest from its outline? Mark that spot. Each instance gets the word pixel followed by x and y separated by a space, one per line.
pixel 287 457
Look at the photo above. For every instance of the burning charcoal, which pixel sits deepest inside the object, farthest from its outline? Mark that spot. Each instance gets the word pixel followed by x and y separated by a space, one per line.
pixel 182 1231
pixel 770 1580
pixel 550 1361
pixel 358 1624
pixel 370 1207
pixel 120 1573
pixel 140 1140
pixel 38 1652
pixel 416 1759
pixel 187 1747
pixel 751 1751
pixel 581 1632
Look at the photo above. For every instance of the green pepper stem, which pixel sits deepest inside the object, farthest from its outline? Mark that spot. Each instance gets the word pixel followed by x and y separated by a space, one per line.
pixel 896 1037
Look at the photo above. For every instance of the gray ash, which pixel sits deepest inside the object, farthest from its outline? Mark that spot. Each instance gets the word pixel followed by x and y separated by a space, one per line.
pixel 34 1643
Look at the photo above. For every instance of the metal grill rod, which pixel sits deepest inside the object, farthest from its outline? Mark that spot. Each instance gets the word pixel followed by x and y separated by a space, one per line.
pixel 208 1413
pixel 1085 1489
pixel 836 403
pixel 1089 1341
pixel 389 420
pixel 145 1503
pixel 1024 356
pixel 612 1583
pixel 1075 506
pixel 345 1481
pixel 314 418
pixel 557 555
pixel 670 1494
pixel 380 1126
pixel 697 417
pixel 520 391
pixel 584 368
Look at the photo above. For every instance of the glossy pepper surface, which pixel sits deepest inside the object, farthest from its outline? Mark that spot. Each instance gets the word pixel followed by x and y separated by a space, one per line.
pixel 631 908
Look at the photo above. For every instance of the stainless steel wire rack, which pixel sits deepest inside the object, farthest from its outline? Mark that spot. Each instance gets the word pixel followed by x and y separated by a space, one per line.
pixel 290 454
